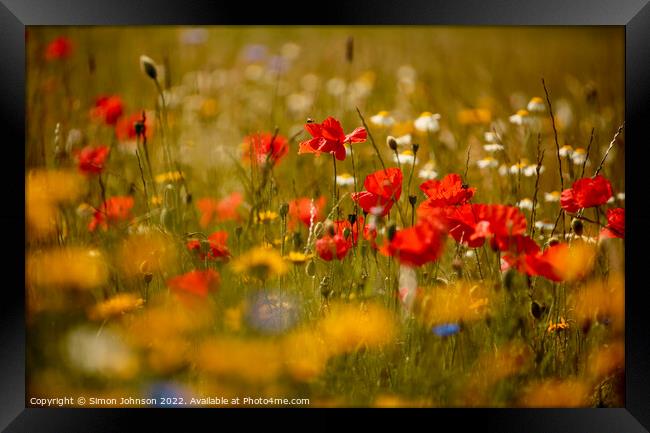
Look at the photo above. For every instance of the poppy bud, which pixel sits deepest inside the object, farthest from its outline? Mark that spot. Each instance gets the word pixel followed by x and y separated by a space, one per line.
pixel 392 143
pixel 536 310
pixel 346 232
pixel 352 218
pixel 577 226
pixel 139 128
pixel 413 199
pixel 148 277
pixel 392 230
pixel 324 286
pixel 148 67
pixel 297 240
pixel 188 198
pixel 284 209
pixel 416 147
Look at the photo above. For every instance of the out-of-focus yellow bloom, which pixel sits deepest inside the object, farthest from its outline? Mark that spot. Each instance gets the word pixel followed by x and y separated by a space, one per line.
pixel 168 355
pixel 266 216
pixel 602 301
pixel 156 200
pixel 170 176
pixel 209 108
pixel 67 268
pixel 261 263
pixel 232 318
pixel 256 361
pixel 351 327
pixel 460 301
pixel 298 258
pixel 44 191
pixel 604 360
pixel 395 401
pixel 146 253
pixel 476 116
pixel 575 262
pixel 162 321
pixel 115 306
pixel 402 128
pixel 556 393
pixel 305 355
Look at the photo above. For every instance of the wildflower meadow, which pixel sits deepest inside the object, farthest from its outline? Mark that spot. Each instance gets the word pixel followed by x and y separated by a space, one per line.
pixel 325 216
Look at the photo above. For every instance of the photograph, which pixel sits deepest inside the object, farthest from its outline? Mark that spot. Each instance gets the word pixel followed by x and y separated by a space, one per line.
pixel 305 216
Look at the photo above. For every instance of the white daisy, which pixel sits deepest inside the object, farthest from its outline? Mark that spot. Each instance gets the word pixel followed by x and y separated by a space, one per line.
pixel 536 105
pixel 579 156
pixel 383 118
pixel 428 172
pixel 492 147
pixel 404 140
pixel 521 117
pixel 525 203
pixel 490 137
pixel 487 162
pixel 427 122
pixel 405 157
pixel 552 197
pixel 531 170
pixel 566 151
pixel 544 225
pixel 345 179
pixel 335 86
pixel 503 170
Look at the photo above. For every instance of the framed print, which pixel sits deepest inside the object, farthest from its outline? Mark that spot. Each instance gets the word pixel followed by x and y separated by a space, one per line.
pixel 374 207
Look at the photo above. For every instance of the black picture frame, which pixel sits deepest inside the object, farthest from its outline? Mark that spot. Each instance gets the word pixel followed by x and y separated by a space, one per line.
pixel 634 15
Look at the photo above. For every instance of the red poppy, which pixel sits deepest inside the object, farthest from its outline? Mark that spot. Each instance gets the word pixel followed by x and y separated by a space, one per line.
pixel 125 127
pixel 330 246
pixel 461 221
pixel 448 191
pixel 383 188
pixel 498 223
pixel 300 211
pixel 419 244
pixel 328 137
pixel 517 250
pixel 108 109
pixel 59 48
pixel 615 224
pixel 213 210
pixel 91 159
pixel 196 282
pixel 586 192
pixel 113 210
pixel 266 147
pixel 218 249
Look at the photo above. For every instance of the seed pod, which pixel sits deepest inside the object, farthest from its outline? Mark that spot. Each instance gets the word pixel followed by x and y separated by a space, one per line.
pixel 416 147
pixel 139 128
pixel 392 143
pixel 536 310
pixel 413 199
pixel 577 226
pixel 148 277
pixel 391 231
pixel 352 218
pixel 148 66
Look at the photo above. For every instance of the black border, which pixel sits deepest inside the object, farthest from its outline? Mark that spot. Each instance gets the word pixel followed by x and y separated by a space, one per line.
pixel 633 14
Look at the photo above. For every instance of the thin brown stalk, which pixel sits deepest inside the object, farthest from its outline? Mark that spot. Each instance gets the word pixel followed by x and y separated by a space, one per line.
pixel 611 144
